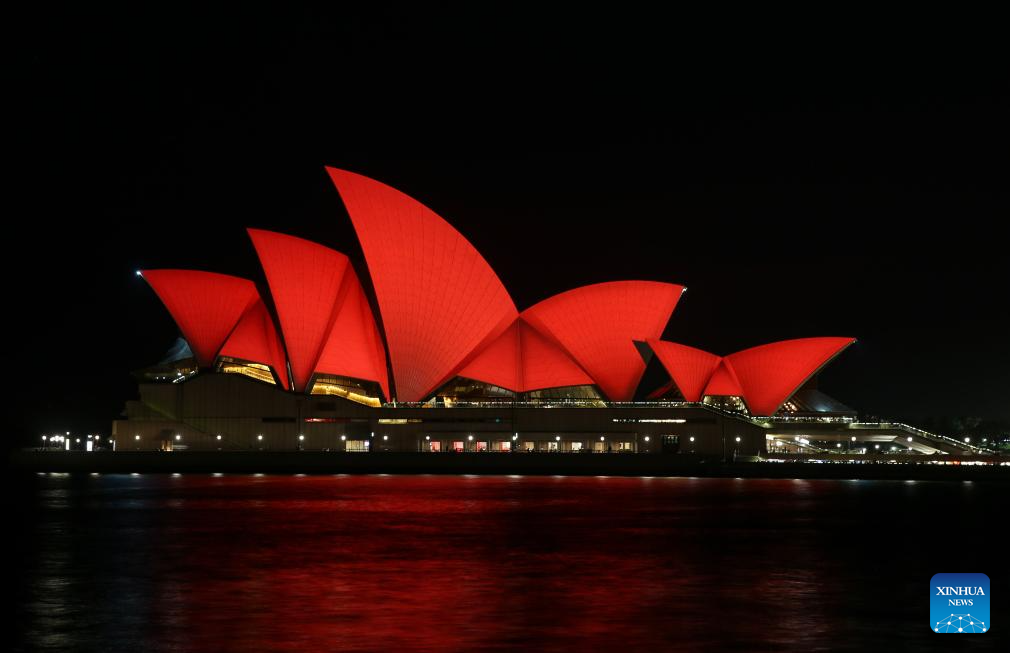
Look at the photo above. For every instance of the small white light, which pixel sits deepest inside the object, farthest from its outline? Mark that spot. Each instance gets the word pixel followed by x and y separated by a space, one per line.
pixel 139 273
pixel 301 437
pixel 967 440
pixel 557 437
pixel 136 437
pixel 178 437
pixel 343 437
pixel 692 438
pixel 876 446
pixel 219 437
pixel 602 438
pixel 44 438
pixel 385 437
pixel 838 446
pixel 259 437
pixel 738 438
pixel 77 440
pixel 853 438
pixel 427 437
pixel 469 437
pixel 646 438
pixel 909 438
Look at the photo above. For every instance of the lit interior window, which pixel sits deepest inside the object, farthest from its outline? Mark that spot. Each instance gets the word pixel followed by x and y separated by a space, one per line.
pixel 362 392
pixel 258 371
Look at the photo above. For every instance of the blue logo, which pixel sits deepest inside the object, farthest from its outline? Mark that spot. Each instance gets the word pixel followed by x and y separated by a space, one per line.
pixel 959 603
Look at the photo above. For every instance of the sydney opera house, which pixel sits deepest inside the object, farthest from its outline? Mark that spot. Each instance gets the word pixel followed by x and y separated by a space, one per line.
pixel 423 350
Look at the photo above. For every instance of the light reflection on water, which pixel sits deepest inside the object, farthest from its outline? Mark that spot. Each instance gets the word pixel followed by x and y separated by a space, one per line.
pixel 253 563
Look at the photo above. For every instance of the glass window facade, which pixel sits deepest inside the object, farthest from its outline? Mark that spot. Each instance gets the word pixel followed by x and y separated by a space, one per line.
pixel 258 371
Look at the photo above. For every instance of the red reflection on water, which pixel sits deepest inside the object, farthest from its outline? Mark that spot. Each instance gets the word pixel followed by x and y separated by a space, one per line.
pixel 456 563
pixel 181 563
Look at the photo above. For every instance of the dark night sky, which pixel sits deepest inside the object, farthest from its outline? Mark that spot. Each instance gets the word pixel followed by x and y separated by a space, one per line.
pixel 788 211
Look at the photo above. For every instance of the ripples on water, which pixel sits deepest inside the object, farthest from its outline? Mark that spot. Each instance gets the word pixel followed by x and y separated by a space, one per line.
pixel 384 563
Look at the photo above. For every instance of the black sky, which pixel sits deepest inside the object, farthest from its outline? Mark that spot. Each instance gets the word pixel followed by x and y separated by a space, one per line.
pixel 789 208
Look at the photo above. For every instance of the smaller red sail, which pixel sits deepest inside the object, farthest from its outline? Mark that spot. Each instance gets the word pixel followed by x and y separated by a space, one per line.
pixel 205 305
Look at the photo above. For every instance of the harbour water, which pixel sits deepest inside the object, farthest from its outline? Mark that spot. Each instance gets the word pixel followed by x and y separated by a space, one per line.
pixel 194 562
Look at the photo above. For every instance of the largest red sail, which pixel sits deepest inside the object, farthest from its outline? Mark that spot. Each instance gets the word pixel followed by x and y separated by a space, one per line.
pixel 440 300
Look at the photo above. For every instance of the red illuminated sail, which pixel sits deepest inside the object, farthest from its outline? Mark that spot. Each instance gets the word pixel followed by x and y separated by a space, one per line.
pixel 770 374
pixel 354 347
pixel 523 360
pixel 255 339
pixel 689 368
pixel 597 325
pixel 205 305
pixel 326 323
pixel 723 382
pixel 440 300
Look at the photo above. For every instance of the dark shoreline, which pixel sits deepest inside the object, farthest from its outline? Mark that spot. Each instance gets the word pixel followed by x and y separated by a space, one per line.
pixel 545 464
